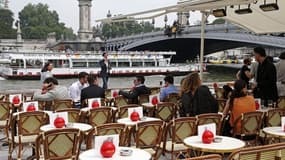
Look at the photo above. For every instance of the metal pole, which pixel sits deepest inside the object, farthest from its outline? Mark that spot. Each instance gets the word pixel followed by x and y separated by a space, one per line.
pixel 203 23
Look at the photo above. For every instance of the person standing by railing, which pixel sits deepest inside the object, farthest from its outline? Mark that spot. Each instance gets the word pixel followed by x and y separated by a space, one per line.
pixel 105 70
pixel 46 71
pixel 280 67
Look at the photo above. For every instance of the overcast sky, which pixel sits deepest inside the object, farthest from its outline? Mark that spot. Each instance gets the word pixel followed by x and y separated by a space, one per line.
pixel 69 12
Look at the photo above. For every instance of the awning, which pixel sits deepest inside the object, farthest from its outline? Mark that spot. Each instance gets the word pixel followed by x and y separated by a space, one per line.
pixel 259 21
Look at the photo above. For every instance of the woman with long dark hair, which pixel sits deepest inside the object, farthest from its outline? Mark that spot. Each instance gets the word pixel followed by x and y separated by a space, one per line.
pixel 195 98
pixel 46 71
pixel 239 103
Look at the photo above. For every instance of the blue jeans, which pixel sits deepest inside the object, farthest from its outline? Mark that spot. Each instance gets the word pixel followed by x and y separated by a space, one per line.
pixel 105 82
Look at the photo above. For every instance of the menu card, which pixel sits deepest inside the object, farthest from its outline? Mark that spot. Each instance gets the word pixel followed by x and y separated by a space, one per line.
pixel 13 97
pixel 28 104
pixel 137 109
pixel 93 102
pixel 53 116
pixel 99 140
pixel 202 128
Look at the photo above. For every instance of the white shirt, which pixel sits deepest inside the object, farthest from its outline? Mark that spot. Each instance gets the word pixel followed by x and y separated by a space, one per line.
pixel 74 91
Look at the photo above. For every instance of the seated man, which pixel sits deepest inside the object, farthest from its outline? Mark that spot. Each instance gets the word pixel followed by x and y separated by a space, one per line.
pixel 92 91
pixel 51 91
pixel 76 87
pixel 169 88
pixel 139 89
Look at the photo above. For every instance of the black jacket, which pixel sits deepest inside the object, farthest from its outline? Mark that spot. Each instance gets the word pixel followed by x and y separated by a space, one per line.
pixel 92 91
pixel 104 69
pixel 202 102
pixel 266 81
pixel 133 95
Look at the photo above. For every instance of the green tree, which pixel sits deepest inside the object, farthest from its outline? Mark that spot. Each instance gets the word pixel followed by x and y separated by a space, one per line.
pixel 6 25
pixel 37 21
pixel 219 21
pixel 118 29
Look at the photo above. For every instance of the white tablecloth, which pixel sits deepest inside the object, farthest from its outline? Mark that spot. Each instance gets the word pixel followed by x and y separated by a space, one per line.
pixel 148 105
pixel 275 131
pixel 82 126
pixel 227 144
pixel 129 122
pixel 137 154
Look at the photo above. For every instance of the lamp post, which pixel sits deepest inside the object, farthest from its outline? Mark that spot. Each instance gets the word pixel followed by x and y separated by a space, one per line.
pixel 165 20
pixel 153 22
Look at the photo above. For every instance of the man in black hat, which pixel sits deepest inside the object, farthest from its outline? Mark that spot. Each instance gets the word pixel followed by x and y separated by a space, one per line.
pixel 280 67
pixel 266 87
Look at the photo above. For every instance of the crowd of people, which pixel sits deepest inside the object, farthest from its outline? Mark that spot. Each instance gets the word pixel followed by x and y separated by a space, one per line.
pixel 266 80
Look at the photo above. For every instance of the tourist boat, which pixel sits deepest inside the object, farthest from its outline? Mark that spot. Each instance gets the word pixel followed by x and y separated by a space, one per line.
pixel 26 65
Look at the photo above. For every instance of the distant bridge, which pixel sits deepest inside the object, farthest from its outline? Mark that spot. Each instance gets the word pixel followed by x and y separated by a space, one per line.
pixel 187 44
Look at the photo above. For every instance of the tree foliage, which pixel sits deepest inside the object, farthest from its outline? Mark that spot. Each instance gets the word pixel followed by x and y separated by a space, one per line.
pixel 118 29
pixel 6 24
pixel 219 21
pixel 37 21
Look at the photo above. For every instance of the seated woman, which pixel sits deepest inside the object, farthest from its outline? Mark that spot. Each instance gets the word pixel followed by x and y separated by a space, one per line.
pixel 195 98
pixel 239 103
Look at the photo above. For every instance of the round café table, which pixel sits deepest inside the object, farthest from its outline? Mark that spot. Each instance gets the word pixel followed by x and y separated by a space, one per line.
pixel 129 122
pixel 276 132
pixel 136 154
pixel 227 145
pixel 81 126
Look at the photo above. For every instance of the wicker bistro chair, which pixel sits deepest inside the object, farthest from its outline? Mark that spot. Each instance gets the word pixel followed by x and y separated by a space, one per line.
pixel 120 101
pixel 207 157
pixel 281 102
pixel 5 114
pixel 148 137
pixel 99 116
pixel 108 129
pixel 123 110
pixel 165 111
pixel 273 117
pixel 62 104
pixel 74 114
pixel 59 144
pixel 28 127
pixel 180 128
pixel 154 90
pixel 219 93
pixel 144 98
pixel 266 152
pixel 211 118
pixel 222 104
pixel 173 98
pixel 250 126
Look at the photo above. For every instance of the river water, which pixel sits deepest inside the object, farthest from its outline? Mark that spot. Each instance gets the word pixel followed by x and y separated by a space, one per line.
pixel 213 75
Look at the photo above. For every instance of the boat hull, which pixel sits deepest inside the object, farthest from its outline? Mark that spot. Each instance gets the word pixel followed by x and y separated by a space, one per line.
pixel 69 76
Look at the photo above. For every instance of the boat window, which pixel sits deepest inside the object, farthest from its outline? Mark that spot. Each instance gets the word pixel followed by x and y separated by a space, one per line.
pixel 58 63
pixel 78 64
pixel 113 64
pixel 137 64
pixel 34 63
pixel 93 64
pixel 17 63
pixel 149 63
pixel 123 64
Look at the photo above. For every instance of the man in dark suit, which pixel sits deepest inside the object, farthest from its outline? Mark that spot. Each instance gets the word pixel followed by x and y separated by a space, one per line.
pixel 138 89
pixel 105 70
pixel 266 87
pixel 92 91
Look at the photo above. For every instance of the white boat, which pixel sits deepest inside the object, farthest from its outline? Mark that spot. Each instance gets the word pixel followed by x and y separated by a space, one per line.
pixel 26 65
